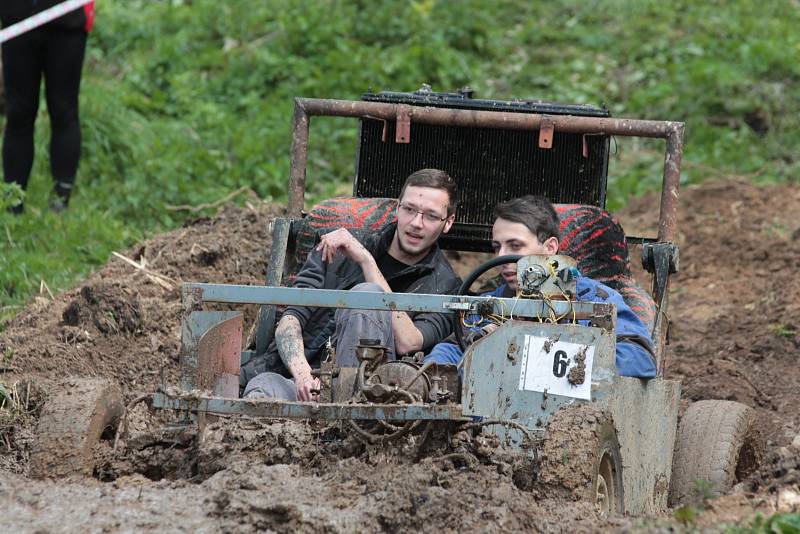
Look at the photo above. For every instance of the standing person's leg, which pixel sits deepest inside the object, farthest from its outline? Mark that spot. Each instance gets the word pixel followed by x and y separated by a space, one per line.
pixel 353 325
pixel 22 73
pixel 63 63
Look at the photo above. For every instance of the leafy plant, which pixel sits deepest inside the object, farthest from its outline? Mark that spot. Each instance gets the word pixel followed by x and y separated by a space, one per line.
pixel 686 514
pixel 782 330
pixel 702 493
pixel 11 194
pixel 786 523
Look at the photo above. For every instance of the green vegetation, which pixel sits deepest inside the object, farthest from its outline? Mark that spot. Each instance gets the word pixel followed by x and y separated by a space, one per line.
pixel 780 523
pixel 185 101
pixel 702 494
pixel 688 515
pixel 782 330
pixel 774 524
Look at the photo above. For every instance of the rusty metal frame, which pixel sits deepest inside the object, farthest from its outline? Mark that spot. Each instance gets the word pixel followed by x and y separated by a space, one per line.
pixel 305 108
pixel 672 132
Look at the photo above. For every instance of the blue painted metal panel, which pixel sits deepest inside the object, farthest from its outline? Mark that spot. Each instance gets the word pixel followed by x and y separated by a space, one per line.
pixel 493 365
pixel 310 410
pixel 331 298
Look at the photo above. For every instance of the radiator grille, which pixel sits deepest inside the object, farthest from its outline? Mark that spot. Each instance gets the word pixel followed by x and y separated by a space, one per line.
pixel 489 165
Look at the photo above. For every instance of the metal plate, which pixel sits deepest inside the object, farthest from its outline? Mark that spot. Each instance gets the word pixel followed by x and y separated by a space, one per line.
pixel 493 365
pixel 211 346
pixel 311 410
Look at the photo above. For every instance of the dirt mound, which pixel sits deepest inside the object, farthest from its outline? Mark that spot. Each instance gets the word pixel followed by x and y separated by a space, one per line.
pixel 110 308
pixel 735 303
pixel 123 322
pixel 735 310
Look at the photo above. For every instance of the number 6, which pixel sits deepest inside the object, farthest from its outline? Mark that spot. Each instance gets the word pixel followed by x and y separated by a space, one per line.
pixel 560 363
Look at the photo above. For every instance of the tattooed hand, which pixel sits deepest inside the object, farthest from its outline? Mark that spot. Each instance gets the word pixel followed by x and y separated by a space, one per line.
pixel 289 339
pixel 305 385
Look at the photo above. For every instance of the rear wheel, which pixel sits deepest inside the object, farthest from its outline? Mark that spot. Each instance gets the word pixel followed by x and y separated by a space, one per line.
pixel 717 446
pixel 581 459
pixel 73 421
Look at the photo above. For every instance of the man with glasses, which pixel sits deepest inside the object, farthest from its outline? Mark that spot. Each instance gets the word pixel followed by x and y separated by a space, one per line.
pixel 403 257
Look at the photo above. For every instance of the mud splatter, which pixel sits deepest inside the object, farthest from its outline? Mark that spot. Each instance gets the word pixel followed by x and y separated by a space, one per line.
pixel 577 373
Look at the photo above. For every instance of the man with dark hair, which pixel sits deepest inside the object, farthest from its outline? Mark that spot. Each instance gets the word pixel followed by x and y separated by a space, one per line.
pixel 530 225
pixel 402 257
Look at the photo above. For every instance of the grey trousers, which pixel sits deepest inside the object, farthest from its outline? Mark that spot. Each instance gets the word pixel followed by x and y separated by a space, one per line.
pixel 351 326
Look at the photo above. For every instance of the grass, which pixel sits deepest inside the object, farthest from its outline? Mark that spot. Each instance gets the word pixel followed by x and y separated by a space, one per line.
pixel 184 102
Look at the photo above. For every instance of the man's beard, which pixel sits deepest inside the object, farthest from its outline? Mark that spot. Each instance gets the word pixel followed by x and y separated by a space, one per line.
pixel 406 250
pixel 422 252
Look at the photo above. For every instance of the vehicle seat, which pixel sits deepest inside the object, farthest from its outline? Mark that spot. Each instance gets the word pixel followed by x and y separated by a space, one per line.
pixel 359 215
pixel 596 240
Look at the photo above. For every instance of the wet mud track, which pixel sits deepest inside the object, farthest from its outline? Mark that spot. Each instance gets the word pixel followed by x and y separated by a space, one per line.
pixel 735 335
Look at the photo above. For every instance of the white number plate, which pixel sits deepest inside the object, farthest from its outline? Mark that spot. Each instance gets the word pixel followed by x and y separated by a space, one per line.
pixel 555 367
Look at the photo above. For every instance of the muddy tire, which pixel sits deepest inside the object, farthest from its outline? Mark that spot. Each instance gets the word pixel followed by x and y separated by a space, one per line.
pixel 580 459
pixel 72 423
pixel 717 446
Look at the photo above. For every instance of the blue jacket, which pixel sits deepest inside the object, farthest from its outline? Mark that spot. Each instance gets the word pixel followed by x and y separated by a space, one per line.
pixel 634 345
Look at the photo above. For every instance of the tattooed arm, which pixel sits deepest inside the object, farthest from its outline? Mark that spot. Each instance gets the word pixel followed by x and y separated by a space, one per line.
pixel 289 339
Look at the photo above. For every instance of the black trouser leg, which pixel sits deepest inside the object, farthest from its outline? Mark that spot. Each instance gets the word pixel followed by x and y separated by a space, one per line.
pixel 22 72
pixel 63 61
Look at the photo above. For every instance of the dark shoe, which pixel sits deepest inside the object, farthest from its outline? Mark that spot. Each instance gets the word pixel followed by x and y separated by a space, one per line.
pixel 63 189
pixel 57 205
pixel 18 209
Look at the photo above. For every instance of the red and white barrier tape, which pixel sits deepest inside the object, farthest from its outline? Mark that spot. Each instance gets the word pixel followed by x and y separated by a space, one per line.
pixel 40 18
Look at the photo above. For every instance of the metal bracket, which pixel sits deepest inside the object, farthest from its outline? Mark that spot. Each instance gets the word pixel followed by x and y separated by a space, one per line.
pixel 402 132
pixel 660 259
pixel 546 129
pixel 462 306
pixel 604 316
pixel 385 126
pixel 192 299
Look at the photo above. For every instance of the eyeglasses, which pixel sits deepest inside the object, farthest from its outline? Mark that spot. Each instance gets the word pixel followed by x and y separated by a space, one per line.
pixel 427 216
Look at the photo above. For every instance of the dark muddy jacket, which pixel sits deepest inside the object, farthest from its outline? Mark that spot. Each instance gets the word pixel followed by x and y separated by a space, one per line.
pixel 431 275
pixel 13 11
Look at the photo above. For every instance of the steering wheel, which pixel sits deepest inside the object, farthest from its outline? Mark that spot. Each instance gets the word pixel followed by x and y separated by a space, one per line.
pixel 469 280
